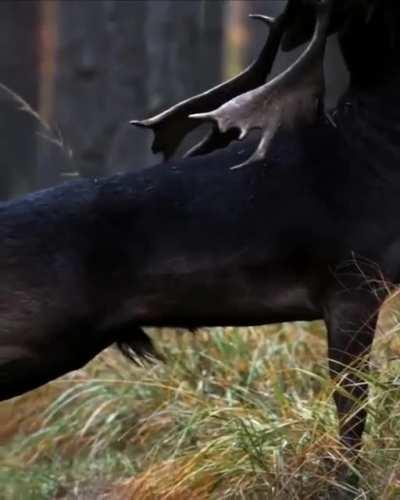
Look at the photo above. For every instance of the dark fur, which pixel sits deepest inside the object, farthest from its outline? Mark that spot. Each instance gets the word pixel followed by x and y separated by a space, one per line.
pixel 310 233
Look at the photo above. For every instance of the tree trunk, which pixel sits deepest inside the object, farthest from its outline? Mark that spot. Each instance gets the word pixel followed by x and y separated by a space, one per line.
pixel 122 60
pixel 100 78
pixel 185 50
pixel 19 39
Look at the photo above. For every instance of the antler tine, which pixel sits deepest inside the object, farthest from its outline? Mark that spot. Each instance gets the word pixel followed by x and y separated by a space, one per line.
pixel 213 141
pixel 294 96
pixel 269 21
pixel 172 125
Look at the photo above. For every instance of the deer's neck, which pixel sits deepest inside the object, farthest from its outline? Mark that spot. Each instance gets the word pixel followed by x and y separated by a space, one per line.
pixel 369 113
pixel 370 43
pixel 369 121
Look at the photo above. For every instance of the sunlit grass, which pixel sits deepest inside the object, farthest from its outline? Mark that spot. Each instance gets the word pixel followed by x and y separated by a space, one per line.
pixel 234 413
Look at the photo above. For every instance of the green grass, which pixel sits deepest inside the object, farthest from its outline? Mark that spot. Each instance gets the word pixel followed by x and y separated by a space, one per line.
pixel 232 414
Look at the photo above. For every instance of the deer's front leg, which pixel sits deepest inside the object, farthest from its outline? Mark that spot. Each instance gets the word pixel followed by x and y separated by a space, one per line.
pixel 351 316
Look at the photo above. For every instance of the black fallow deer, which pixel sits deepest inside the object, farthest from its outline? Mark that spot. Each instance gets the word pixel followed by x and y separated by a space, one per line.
pixel 306 229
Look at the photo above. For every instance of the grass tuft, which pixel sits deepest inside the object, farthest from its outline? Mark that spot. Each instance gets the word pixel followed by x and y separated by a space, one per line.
pixel 51 134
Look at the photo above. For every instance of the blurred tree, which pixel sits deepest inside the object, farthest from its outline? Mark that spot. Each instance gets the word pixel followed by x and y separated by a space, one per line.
pixel 184 50
pixel 245 37
pixel 120 60
pixel 19 36
pixel 100 80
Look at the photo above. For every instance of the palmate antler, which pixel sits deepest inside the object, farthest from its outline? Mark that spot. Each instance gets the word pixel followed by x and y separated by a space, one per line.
pixel 171 126
pixel 292 98
pixel 244 103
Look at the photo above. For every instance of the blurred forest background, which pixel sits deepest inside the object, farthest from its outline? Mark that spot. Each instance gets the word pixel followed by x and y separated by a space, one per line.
pixel 88 67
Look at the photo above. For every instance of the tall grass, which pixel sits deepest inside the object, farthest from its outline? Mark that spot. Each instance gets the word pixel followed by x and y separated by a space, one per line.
pixel 232 414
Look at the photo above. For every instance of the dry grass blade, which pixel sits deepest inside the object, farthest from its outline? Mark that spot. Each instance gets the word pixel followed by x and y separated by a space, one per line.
pixel 49 133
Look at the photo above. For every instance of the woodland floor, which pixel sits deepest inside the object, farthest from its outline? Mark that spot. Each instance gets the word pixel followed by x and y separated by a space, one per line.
pixel 232 414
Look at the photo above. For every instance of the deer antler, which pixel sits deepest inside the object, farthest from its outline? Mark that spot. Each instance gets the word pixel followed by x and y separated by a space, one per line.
pixel 295 96
pixel 171 126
